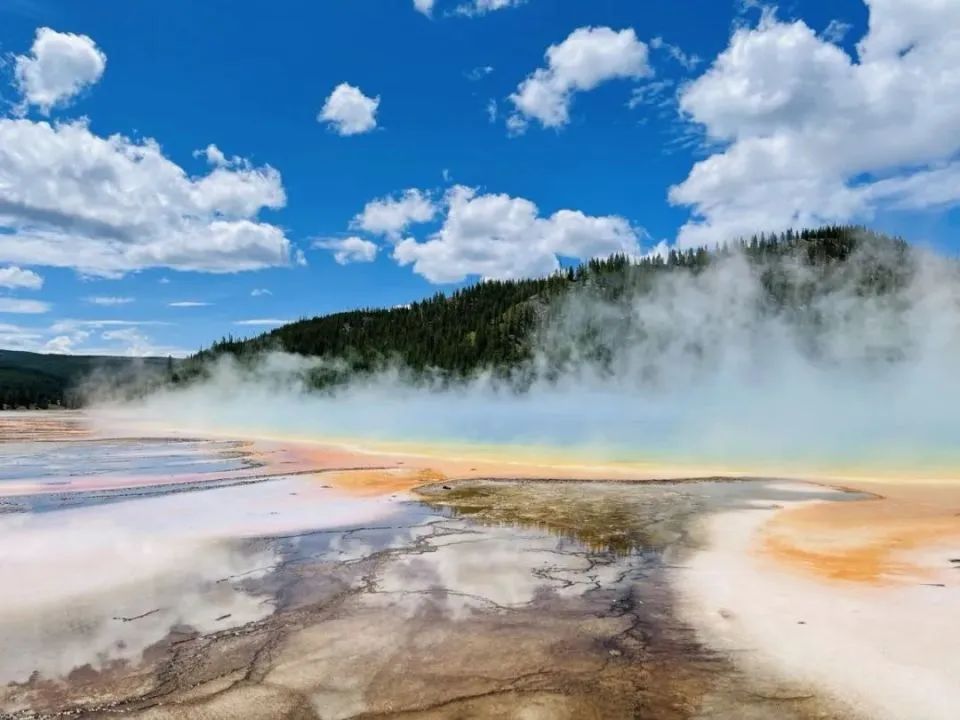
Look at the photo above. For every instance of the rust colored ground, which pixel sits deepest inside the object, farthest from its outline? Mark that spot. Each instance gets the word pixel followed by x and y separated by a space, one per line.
pixel 879 541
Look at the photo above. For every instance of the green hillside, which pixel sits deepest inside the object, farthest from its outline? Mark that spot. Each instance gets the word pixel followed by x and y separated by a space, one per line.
pixel 493 324
pixel 40 380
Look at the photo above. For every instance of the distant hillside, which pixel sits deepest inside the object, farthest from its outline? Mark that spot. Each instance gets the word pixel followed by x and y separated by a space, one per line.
pixel 493 324
pixel 39 380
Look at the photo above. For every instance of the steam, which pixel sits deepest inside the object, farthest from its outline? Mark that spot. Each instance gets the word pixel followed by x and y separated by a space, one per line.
pixel 700 368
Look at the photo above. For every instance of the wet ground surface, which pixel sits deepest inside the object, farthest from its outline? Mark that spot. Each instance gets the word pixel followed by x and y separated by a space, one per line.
pixel 97 457
pixel 281 597
pixel 51 475
pixel 60 462
pixel 475 600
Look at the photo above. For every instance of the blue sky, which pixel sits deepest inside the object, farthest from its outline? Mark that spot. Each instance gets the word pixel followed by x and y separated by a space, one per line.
pixel 474 150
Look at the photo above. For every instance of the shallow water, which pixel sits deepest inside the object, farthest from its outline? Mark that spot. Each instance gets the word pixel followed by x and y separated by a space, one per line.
pixel 283 597
pixel 51 461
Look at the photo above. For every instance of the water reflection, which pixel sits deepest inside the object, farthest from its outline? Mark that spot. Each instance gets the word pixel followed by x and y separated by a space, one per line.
pixel 100 584
pixel 618 517
pixel 201 589
pixel 462 570
pixel 58 460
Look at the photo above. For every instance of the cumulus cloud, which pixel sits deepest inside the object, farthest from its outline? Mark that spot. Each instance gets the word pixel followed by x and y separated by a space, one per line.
pixel 260 292
pixel 486 235
pixel 349 250
pixel 14 277
pixel 134 343
pixel 811 135
pixel 58 67
pixel 589 57
pixel 499 236
pixel 392 215
pixel 109 300
pixel 216 157
pixel 62 344
pixel 110 205
pixel 424 6
pixel 188 304
pixel 348 111
pixel 16 306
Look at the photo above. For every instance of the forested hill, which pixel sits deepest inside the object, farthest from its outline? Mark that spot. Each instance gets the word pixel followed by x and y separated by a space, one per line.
pixel 491 324
pixel 35 380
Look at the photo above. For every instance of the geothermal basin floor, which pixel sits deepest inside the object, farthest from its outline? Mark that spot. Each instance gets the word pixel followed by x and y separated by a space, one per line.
pixel 231 581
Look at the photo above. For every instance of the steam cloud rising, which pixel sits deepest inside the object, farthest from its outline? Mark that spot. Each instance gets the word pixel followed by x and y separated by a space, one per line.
pixel 690 369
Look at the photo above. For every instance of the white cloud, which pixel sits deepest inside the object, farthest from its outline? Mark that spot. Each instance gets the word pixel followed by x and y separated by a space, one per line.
pixel 516 125
pixel 688 61
pixel 836 31
pixel 391 215
pixel 99 337
pixel 469 8
pixel 260 292
pixel 63 344
pixel 43 339
pixel 58 68
pixel 109 205
pixel 214 156
pixel 348 111
pixel 188 304
pixel 133 340
pixel 811 135
pixel 262 322
pixel 13 277
pixel 921 190
pixel 92 337
pixel 349 250
pixel 424 6
pixel 482 7
pixel 499 236
pixel 88 337
pixel 110 300
pixel 23 307
pixel 479 72
pixel 658 93
pixel 15 337
pixel 589 57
